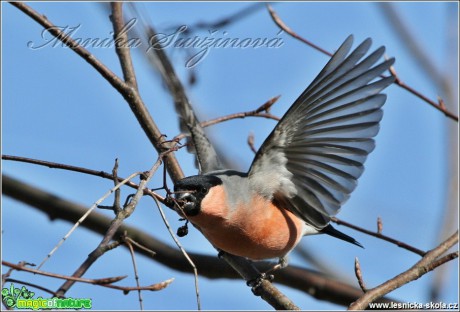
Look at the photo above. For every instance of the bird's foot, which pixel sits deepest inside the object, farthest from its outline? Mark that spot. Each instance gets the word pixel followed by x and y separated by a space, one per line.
pixel 257 282
pixel 282 263
pixel 220 254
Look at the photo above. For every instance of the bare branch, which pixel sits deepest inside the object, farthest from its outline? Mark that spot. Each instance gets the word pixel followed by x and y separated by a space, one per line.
pixel 138 245
pixel 258 112
pixel 153 287
pixel 289 31
pixel 379 235
pixel 359 275
pixel 251 143
pixel 441 261
pixel 429 262
pixel 401 30
pixel 104 282
pixel 278 21
pixel 114 227
pixel 116 201
pixel 184 252
pixel 85 215
pixel 127 241
pixel 122 47
pixel 12 280
pixel 225 21
pixel 436 104
pixel 266 290
pixel 49 164
pixel 128 92
pixel 97 281
pixel 379 225
pixel 205 152
pixel 311 282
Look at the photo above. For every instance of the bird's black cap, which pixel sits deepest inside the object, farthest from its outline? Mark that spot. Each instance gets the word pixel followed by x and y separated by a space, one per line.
pixel 197 183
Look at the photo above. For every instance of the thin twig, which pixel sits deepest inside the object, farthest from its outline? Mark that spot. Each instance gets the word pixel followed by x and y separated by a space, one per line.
pixel 153 287
pixel 114 226
pixel 140 246
pixel 278 21
pixel 401 30
pixel 54 165
pixel 104 282
pixel 221 22
pixel 258 112
pixel 442 260
pixel 381 236
pixel 184 252
pixel 97 173
pixel 6 275
pixel 133 258
pixel 379 225
pixel 429 262
pixel 436 104
pixel 97 281
pixel 94 206
pixel 254 113
pixel 266 107
pixel 116 199
pixel 251 142
pixel 12 280
pixel 289 31
pixel 359 275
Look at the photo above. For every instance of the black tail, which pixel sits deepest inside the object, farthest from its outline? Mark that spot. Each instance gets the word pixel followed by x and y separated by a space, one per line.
pixel 333 232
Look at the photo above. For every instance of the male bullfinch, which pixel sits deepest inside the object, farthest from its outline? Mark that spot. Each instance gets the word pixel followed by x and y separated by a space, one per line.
pixel 304 171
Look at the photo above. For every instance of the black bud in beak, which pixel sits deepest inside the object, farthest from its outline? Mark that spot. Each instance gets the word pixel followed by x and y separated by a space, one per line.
pixel 188 203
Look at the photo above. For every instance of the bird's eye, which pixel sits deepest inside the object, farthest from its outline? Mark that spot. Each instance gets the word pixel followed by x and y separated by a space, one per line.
pixel 204 190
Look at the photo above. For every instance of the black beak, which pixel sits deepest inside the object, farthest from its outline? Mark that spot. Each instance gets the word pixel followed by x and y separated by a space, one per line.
pixel 188 203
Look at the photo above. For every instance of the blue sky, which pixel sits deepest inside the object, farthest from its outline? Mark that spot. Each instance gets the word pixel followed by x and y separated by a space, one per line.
pixel 56 107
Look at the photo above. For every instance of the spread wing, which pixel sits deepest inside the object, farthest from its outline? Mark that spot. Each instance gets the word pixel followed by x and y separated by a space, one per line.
pixel 312 159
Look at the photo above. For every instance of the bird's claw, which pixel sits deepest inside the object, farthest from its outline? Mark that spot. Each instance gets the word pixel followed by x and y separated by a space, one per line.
pixel 257 282
pixel 220 254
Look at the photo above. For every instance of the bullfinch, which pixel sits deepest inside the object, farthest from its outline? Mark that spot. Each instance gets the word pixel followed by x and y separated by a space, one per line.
pixel 304 171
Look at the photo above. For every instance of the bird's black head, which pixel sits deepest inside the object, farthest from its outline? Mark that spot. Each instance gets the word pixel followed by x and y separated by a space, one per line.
pixel 190 192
